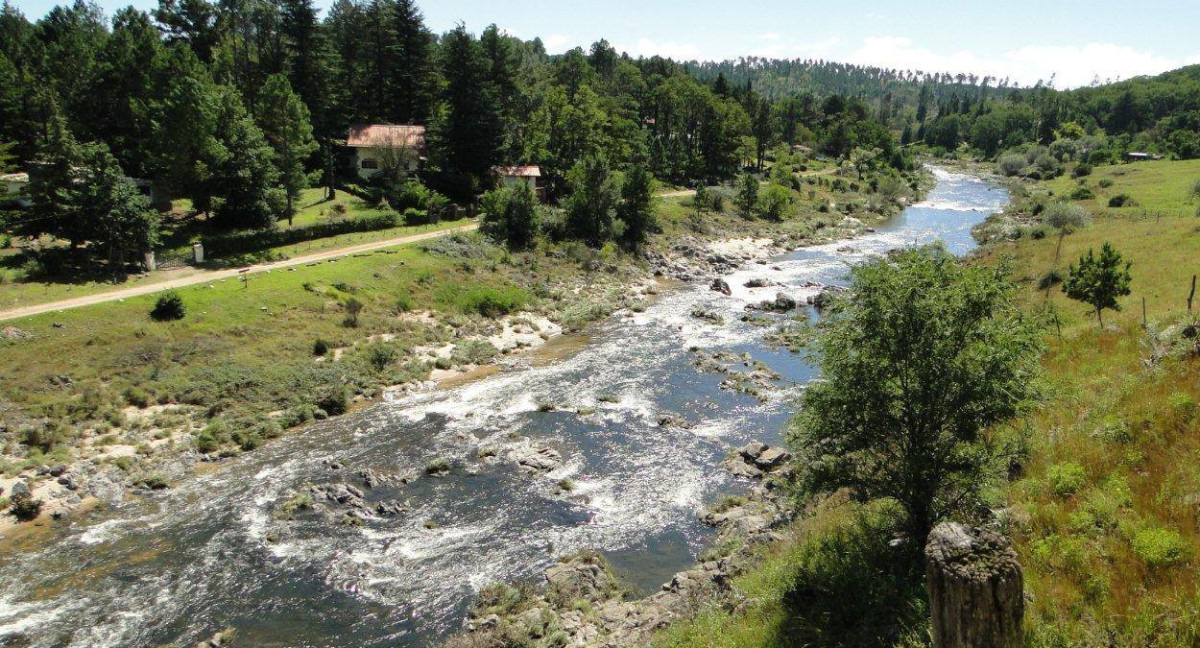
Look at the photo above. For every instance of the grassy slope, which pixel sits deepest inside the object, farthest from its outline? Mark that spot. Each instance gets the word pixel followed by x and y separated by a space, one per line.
pixel 1090 547
pixel 15 293
pixel 1110 558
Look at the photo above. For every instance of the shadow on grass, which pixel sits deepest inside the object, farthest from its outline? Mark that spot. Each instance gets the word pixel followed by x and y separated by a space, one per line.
pixel 853 588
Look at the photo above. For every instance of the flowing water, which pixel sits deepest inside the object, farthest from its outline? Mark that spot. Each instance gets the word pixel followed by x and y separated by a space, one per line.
pixel 181 564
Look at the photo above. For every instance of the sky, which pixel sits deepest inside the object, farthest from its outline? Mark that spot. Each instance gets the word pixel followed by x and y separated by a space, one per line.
pixel 1075 41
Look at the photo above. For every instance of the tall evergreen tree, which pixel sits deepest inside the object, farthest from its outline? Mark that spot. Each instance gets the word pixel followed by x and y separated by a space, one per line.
pixel 243 176
pixel 284 121
pixel 469 136
pixel 592 206
pixel 636 209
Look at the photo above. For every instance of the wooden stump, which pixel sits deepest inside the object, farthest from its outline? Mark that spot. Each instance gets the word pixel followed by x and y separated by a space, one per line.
pixel 976 590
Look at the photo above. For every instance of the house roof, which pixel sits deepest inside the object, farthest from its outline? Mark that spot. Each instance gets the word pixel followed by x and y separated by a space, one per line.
pixel 386 135
pixel 519 171
pixel 15 177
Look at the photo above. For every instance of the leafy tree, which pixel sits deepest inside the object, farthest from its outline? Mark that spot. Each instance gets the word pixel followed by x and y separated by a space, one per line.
pixel 636 209
pixel 592 205
pixel 510 215
pixel 920 357
pixel 1098 282
pixel 284 121
pixel 747 195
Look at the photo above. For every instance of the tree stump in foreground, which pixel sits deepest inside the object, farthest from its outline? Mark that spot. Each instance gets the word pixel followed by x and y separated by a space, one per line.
pixel 976 590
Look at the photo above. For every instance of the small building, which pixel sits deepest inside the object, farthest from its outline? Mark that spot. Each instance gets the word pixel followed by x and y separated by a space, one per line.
pixel 800 148
pixel 377 145
pixel 14 189
pixel 528 175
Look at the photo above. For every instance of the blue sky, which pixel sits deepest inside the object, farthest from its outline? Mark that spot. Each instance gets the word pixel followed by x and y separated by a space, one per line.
pixel 1026 40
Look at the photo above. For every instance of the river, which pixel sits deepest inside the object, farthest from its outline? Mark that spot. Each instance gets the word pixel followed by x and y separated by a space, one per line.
pixel 178 565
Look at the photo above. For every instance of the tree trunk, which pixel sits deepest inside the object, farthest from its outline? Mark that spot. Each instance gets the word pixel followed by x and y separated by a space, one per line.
pixel 976 589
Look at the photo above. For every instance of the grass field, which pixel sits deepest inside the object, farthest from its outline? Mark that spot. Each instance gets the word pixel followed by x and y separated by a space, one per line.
pixel 16 292
pixel 1105 510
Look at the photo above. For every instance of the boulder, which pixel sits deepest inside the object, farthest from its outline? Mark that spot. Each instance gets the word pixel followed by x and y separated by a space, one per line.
pixel 758 282
pixel 772 458
pixel 721 286
pixel 537 460
pixel 19 489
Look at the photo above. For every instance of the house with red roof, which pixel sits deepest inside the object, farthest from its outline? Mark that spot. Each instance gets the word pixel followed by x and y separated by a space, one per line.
pixel 376 146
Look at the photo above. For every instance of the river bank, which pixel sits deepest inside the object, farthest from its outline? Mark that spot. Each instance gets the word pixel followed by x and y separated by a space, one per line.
pixel 146 442
pixel 415 503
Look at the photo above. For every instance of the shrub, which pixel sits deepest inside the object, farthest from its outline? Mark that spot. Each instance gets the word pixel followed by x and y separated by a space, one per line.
pixel 1010 164
pixel 380 355
pixel 247 241
pixel 1159 547
pixel 1082 169
pixel 320 347
pixel 169 307
pixel 1082 193
pixel 138 397
pixel 1105 183
pixel 492 302
pixel 439 466
pixel 25 507
pixel 1120 200
pixel 353 308
pixel 334 401
pixel 1066 479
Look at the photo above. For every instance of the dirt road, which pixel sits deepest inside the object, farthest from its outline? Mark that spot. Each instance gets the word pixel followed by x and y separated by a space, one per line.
pixel 213 275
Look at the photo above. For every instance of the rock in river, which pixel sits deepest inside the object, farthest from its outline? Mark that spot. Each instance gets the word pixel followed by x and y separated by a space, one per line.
pixel 721 286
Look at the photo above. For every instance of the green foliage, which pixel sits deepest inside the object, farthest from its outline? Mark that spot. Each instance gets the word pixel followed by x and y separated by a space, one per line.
pixel 25 507
pixel 1120 200
pixel 168 307
pixel 320 347
pixel 1098 282
pixel 636 209
pixel 1066 479
pixel 592 205
pixel 775 203
pixel 920 357
pixel 747 195
pixel 285 123
pixel 510 214
pixel 353 308
pixel 1159 547
pixel 489 302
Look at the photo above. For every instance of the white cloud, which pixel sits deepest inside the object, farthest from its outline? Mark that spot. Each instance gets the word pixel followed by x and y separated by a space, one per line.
pixel 556 43
pixel 818 49
pixel 667 49
pixel 1071 66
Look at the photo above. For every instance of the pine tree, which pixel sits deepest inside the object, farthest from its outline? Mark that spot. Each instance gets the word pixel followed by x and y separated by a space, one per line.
pixel 592 206
pixel 310 62
pixel 1098 282
pixel 636 209
pixel 243 176
pixel 469 137
pixel 284 121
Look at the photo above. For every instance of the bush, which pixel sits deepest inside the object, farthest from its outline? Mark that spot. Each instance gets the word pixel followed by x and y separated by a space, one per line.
pixel 1159 547
pixel 244 242
pixel 1105 183
pixel 1082 169
pixel 491 302
pixel 320 347
pixel 1066 479
pixel 334 401
pixel 353 309
pixel 1120 200
pixel 25 507
pixel 169 307
pixel 1011 164
pixel 1082 193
